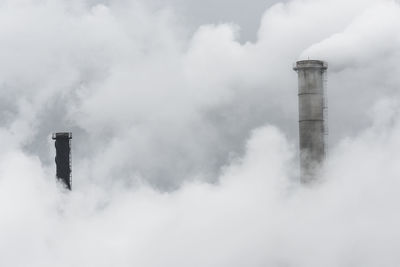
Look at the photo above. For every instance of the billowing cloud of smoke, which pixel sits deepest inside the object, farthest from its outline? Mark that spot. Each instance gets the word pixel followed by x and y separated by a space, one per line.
pixel 173 163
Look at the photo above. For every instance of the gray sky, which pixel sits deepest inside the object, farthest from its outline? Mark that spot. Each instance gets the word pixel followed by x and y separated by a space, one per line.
pixel 244 13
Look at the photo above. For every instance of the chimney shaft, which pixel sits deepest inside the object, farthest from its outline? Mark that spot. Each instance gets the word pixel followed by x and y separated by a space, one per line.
pixel 312 129
pixel 63 157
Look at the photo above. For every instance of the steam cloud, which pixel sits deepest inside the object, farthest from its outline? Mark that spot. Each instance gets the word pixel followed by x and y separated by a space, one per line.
pixel 184 149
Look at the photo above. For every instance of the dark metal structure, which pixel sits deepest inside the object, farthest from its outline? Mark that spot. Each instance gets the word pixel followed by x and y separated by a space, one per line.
pixel 63 157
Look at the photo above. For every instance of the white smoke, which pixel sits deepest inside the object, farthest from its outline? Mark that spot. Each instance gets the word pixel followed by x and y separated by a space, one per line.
pixel 173 163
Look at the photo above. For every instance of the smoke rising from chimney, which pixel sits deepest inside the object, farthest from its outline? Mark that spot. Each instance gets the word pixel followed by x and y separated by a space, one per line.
pixel 177 166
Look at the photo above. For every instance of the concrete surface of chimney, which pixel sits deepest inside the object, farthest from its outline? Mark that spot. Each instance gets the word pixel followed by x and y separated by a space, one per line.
pixel 312 107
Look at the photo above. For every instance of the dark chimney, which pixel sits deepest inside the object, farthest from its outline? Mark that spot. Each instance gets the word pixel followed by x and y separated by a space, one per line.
pixel 63 157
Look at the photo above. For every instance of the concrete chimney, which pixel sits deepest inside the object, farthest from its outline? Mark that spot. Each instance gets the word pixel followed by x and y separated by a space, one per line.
pixel 312 111
pixel 63 157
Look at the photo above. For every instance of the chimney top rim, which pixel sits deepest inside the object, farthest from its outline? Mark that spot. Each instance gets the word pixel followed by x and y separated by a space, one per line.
pixel 310 64
pixel 62 135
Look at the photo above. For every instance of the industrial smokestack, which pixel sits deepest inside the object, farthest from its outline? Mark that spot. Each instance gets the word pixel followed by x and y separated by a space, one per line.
pixel 63 157
pixel 312 110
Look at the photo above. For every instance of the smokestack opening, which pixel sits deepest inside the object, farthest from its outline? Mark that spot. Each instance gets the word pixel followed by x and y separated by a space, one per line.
pixel 312 117
pixel 63 157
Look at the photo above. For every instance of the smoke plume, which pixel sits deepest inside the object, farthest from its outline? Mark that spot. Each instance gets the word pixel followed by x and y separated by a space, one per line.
pixel 185 141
